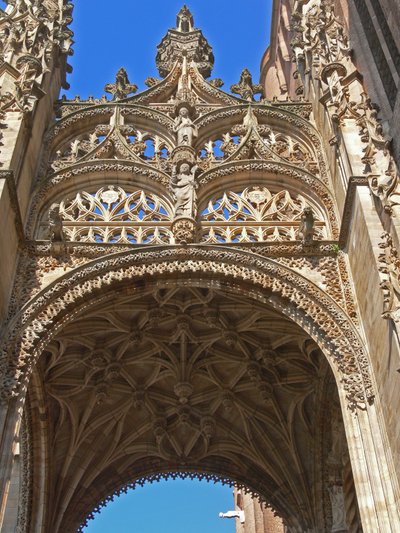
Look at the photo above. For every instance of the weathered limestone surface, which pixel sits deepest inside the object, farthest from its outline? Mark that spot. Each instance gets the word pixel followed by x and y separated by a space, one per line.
pixel 199 282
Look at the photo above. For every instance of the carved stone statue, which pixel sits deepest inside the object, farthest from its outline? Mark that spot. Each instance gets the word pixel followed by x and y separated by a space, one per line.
pixel 338 509
pixel 306 229
pixel 55 224
pixel 184 128
pixel 183 186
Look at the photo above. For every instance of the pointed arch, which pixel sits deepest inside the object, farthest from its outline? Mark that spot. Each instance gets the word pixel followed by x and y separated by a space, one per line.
pixel 288 291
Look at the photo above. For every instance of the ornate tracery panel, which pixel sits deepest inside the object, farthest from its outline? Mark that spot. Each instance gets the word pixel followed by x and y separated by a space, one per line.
pixel 113 214
pixel 256 214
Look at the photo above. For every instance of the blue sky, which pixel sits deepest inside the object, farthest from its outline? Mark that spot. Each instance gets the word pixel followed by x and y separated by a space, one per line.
pixel 109 35
pixel 180 506
pixel 125 33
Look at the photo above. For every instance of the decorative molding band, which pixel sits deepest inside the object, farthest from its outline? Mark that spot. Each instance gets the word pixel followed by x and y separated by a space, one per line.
pixel 267 249
pixel 292 294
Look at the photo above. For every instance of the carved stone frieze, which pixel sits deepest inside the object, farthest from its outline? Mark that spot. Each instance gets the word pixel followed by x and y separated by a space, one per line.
pixel 26 485
pixel 32 37
pixel 322 50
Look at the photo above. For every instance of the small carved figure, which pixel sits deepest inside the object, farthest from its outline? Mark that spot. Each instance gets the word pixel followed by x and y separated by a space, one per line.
pixel 216 82
pixel 151 81
pixel 338 508
pixel 234 514
pixel 306 229
pixel 385 187
pixel 55 224
pixel 184 127
pixel 183 186
pixel 390 266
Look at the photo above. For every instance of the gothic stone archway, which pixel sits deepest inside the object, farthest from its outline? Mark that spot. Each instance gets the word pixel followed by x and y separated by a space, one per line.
pixel 215 217
pixel 181 375
pixel 79 296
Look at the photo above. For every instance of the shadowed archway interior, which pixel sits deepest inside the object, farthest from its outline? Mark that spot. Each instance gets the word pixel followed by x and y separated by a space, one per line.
pixel 188 380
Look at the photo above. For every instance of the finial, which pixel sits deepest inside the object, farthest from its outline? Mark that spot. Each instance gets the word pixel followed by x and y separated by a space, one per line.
pixel 245 88
pixel 122 87
pixel 184 20
pixel 184 41
pixel 250 120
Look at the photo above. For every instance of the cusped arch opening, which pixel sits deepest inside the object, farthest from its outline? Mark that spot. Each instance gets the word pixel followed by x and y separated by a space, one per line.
pixel 175 502
pixel 233 494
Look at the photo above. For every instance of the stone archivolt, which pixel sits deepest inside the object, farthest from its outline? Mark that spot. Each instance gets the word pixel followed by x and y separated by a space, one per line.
pixel 170 376
pixel 47 312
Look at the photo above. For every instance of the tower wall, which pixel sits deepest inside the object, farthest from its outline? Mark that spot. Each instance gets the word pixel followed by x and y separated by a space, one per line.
pixel 374 44
pixel 35 47
pixel 258 518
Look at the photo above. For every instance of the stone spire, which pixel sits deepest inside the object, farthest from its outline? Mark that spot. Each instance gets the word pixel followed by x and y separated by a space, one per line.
pixel 184 40
pixel 184 20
